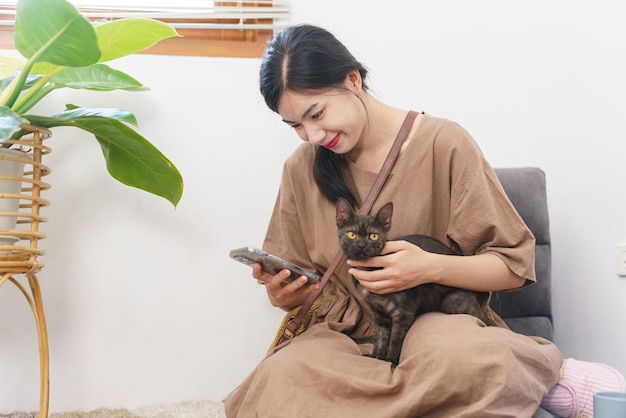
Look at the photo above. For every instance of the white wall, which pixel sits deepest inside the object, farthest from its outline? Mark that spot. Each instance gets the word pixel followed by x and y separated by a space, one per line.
pixel 144 305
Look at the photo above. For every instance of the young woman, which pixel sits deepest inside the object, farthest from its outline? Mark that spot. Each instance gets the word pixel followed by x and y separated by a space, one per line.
pixel 441 186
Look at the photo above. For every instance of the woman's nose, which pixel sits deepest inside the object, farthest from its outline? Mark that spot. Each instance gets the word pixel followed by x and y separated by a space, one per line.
pixel 315 135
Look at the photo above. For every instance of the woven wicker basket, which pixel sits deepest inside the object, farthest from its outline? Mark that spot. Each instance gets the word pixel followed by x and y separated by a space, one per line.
pixel 19 259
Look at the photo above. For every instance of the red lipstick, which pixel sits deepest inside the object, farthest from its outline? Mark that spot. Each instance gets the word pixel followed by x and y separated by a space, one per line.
pixel 333 142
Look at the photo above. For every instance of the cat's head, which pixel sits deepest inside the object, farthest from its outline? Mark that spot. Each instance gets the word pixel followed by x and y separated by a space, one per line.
pixel 362 236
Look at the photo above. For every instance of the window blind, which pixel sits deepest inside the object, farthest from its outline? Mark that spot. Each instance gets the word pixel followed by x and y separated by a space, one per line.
pixel 185 14
pixel 207 28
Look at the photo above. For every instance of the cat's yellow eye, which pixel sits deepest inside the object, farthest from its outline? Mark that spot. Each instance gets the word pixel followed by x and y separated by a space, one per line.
pixel 351 235
pixel 374 237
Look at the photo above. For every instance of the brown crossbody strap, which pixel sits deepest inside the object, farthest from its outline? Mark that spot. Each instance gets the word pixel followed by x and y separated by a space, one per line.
pixel 294 324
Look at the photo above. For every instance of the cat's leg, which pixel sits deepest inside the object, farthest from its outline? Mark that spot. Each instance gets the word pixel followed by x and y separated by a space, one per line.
pixel 462 301
pixel 401 321
pixel 381 321
pixel 382 330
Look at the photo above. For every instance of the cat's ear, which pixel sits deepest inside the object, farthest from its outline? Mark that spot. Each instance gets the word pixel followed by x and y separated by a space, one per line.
pixel 384 216
pixel 345 212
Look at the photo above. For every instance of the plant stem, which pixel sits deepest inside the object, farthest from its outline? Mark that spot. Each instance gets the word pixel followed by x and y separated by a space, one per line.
pixel 34 99
pixel 38 91
pixel 15 87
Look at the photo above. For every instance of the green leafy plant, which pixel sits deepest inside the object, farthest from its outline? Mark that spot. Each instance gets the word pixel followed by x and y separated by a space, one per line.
pixel 62 49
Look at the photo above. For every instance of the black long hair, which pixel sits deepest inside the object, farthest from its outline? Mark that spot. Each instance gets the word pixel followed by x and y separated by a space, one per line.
pixel 305 58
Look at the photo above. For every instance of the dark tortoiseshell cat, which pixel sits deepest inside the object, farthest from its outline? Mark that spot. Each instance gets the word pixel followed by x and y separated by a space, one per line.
pixel 364 236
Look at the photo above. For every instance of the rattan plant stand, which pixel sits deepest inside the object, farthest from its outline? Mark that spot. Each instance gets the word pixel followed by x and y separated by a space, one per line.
pixel 19 261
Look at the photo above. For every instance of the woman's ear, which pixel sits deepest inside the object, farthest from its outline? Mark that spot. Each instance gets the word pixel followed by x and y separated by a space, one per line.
pixel 354 82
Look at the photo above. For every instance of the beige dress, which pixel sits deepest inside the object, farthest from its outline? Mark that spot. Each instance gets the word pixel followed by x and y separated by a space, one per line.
pixel 451 365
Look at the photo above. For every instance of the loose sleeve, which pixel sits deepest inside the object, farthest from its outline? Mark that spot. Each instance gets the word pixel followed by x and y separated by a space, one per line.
pixel 285 236
pixel 483 219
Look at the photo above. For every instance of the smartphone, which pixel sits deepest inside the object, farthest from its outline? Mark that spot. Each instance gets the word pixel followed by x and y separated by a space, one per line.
pixel 271 263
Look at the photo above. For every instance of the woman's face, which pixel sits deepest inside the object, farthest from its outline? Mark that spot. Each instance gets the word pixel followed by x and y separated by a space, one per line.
pixel 333 119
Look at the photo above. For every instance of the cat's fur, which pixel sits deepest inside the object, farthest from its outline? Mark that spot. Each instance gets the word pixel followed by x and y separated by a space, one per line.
pixel 364 236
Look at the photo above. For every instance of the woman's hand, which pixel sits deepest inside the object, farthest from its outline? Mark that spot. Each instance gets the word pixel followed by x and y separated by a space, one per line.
pixel 403 266
pixel 283 294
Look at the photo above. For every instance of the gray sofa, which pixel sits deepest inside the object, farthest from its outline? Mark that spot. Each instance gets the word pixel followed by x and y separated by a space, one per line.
pixel 529 310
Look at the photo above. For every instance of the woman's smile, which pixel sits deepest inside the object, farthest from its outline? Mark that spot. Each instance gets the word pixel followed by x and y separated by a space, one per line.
pixel 333 142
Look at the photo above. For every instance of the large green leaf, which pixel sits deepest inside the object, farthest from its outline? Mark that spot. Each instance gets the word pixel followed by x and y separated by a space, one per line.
pixel 73 112
pixel 54 31
pixel 99 77
pixel 9 123
pixel 123 37
pixel 130 158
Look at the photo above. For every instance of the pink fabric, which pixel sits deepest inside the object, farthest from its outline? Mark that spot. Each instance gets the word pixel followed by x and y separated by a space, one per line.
pixel 561 400
pixel 573 396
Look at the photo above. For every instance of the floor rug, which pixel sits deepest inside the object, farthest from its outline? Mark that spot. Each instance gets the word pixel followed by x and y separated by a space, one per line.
pixel 187 409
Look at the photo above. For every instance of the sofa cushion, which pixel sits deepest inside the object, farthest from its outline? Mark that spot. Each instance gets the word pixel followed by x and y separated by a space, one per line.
pixel 529 310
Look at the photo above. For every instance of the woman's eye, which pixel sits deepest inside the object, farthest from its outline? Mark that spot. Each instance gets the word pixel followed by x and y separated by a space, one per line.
pixel 295 125
pixel 374 237
pixel 351 235
pixel 317 115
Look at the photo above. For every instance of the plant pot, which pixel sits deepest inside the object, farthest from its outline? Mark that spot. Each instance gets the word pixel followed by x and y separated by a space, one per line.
pixel 12 164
